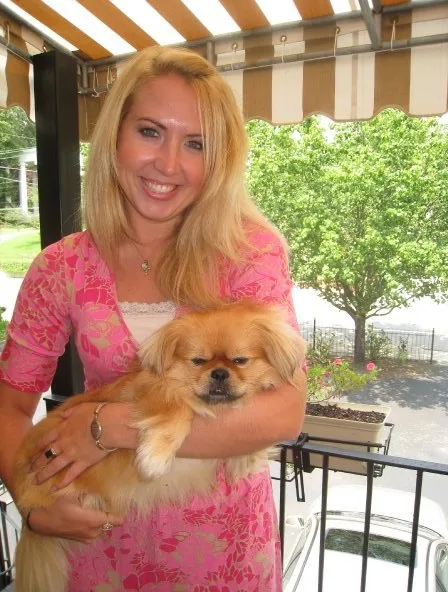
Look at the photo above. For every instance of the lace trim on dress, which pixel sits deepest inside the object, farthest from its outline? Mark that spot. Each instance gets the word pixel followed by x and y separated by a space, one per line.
pixel 133 308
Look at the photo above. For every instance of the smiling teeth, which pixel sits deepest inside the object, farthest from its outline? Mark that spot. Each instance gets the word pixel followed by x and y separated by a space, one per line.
pixel 158 187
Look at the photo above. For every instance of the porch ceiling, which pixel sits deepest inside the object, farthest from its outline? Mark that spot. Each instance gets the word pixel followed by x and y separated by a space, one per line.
pixel 348 65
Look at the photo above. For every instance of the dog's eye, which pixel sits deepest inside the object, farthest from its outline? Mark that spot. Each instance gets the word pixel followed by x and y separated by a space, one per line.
pixel 240 361
pixel 199 361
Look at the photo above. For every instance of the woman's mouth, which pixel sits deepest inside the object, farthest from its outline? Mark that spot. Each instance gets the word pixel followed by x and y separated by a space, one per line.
pixel 158 188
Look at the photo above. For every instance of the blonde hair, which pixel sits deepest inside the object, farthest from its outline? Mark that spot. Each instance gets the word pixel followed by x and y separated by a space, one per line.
pixel 214 226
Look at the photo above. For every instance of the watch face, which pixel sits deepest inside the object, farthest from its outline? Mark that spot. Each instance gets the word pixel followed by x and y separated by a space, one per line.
pixel 95 429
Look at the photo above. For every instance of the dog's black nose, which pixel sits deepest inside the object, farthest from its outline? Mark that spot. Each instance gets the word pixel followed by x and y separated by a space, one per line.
pixel 220 374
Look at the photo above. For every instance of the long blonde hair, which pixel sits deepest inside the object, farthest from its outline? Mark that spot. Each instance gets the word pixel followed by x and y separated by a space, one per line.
pixel 213 228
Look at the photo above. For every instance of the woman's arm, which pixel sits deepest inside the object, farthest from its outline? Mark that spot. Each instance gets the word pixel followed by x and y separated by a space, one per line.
pixel 266 419
pixel 16 410
pixel 65 518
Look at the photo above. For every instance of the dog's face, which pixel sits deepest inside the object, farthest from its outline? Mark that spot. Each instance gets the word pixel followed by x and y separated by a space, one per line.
pixel 226 353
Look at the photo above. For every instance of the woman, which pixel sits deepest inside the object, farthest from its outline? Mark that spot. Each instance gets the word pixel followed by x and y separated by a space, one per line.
pixel 169 227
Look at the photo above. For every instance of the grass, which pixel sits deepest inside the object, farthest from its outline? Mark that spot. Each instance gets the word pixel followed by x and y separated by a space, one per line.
pixel 17 253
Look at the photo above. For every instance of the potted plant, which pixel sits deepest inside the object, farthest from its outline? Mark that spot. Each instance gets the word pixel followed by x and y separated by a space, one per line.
pixel 329 421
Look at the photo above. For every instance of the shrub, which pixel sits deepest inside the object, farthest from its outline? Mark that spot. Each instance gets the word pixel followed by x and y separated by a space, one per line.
pixel 378 344
pixel 323 346
pixel 3 325
pixel 15 219
pixel 334 378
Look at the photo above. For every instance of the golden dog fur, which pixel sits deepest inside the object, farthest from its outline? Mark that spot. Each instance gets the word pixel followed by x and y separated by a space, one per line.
pixel 189 366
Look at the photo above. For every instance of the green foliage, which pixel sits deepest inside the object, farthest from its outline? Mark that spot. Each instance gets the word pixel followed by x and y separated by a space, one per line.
pixel 323 345
pixel 402 350
pixel 378 344
pixel 364 207
pixel 14 219
pixel 3 325
pixel 331 380
pixel 16 133
pixel 16 254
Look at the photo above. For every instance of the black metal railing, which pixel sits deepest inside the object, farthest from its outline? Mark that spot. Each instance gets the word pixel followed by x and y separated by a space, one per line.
pixel 399 344
pixel 9 535
pixel 299 452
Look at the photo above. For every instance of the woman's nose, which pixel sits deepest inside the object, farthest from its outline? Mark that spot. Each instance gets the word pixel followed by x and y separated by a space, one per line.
pixel 168 157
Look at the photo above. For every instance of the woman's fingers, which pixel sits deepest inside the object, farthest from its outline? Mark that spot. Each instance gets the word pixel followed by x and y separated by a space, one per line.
pixel 45 444
pixel 51 468
pixel 111 521
pixel 67 519
pixel 69 447
pixel 73 471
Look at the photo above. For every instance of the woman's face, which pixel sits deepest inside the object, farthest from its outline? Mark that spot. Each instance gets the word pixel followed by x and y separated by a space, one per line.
pixel 160 152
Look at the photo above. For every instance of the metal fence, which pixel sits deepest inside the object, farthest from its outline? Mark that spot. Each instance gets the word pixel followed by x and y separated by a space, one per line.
pixel 301 451
pixel 9 535
pixel 380 343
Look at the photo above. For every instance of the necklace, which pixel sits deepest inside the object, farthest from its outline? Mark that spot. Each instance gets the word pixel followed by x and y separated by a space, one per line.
pixel 145 265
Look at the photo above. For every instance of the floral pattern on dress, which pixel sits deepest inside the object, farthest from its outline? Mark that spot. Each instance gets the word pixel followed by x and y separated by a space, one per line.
pixel 225 542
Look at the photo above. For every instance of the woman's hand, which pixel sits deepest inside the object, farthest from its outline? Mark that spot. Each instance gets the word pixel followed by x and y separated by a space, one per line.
pixel 73 444
pixel 67 519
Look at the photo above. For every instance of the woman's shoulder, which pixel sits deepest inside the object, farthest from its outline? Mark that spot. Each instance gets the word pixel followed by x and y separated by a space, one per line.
pixel 77 241
pixel 69 255
pixel 263 238
pixel 78 245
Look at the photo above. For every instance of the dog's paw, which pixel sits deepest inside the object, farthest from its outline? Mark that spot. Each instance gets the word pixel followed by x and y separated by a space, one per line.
pixel 152 463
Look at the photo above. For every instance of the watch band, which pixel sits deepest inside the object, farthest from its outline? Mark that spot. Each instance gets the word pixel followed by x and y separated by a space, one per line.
pixel 96 429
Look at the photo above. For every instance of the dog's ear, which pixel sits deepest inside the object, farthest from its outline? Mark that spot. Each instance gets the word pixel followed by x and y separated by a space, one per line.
pixel 157 352
pixel 284 348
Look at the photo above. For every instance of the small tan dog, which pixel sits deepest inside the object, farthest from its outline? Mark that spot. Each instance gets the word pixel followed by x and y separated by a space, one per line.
pixel 192 364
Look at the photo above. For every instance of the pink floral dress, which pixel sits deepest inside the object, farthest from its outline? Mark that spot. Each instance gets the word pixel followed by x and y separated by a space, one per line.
pixel 227 542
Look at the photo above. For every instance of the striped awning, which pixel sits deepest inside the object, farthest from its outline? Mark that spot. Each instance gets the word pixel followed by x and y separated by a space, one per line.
pixel 348 66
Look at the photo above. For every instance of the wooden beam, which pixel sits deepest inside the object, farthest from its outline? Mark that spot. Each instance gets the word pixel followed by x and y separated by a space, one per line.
pixel 54 21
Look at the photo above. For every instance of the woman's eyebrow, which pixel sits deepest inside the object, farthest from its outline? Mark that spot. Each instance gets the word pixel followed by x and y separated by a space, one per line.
pixel 164 127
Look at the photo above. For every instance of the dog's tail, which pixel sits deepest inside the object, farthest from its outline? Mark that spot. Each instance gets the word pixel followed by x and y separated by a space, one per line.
pixel 41 563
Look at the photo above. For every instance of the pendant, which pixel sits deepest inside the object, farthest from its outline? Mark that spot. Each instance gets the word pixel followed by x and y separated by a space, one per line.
pixel 146 267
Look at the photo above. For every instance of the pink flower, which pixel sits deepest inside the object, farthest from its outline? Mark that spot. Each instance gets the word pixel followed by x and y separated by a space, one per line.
pixel 370 366
pixel 337 362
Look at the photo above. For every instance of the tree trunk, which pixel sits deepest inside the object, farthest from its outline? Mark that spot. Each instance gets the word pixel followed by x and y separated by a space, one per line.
pixel 360 340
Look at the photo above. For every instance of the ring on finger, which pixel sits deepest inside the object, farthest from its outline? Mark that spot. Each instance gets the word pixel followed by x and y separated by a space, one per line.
pixel 50 453
pixel 108 524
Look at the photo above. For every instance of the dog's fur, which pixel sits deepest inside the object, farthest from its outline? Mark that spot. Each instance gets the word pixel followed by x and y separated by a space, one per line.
pixel 192 364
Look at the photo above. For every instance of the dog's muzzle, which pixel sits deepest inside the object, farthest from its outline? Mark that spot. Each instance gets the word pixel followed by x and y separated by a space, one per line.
pixel 219 388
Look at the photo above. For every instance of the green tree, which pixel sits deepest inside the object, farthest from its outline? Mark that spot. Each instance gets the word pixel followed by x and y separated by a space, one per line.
pixel 16 133
pixel 363 206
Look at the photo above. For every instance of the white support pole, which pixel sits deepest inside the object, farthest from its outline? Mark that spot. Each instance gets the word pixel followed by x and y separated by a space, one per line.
pixel 23 189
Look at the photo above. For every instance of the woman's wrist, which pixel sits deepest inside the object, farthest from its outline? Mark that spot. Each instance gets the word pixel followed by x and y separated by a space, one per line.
pixel 115 422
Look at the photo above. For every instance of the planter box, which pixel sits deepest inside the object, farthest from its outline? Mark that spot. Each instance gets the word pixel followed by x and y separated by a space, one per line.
pixel 355 435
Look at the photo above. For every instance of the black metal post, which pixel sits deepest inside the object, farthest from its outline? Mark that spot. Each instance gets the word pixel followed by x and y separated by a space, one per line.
pixel 57 143
pixel 432 346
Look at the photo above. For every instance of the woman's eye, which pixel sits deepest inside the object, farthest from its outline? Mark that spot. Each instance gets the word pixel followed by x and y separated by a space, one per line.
pixel 149 132
pixel 195 144
pixel 240 361
pixel 199 361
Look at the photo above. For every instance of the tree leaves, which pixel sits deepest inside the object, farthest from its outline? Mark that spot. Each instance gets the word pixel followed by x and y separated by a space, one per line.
pixel 364 206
